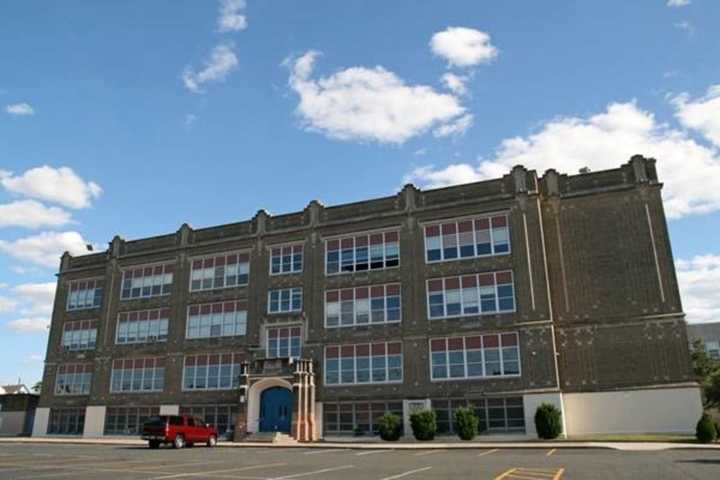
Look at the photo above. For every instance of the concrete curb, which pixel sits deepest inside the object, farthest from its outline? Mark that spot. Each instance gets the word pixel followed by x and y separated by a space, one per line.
pixel 626 446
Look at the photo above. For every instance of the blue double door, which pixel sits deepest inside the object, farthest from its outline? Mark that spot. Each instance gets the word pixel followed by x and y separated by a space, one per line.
pixel 276 406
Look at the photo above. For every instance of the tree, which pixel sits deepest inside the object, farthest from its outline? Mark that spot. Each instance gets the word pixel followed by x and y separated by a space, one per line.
pixel 37 388
pixel 707 373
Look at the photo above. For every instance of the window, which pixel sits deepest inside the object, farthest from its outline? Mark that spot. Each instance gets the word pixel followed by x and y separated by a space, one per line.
pixel 225 319
pixel 478 356
pixel 285 300
pixel 85 294
pixel 494 414
pixel 220 371
pixel 143 326
pixel 473 237
pixel 73 379
pixel 363 305
pixel 147 281
pixel 66 421
pixel 343 418
pixel 138 375
pixel 128 420
pixel 363 363
pixel 485 293
pixel 286 259
pixel 362 252
pixel 80 335
pixel 222 417
pixel 283 342
pixel 713 349
pixel 223 271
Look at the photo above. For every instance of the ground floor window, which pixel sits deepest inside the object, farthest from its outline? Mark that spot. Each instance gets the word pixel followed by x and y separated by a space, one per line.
pixel 66 421
pixel 127 420
pixel 222 417
pixel 495 414
pixel 345 418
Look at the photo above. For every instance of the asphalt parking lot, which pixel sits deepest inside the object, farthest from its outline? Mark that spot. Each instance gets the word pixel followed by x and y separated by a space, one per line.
pixel 90 462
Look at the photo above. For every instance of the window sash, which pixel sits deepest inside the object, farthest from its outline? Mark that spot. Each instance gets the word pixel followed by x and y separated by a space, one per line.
pixel 362 257
pixel 373 368
pixel 504 359
pixel 227 275
pixel 363 311
pixel 459 245
pixel 498 298
pixel 285 300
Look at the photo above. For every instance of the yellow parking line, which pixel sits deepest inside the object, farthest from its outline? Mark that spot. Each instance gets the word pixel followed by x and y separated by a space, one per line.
pixel 559 474
pixel 550 452
pixel 488 452
pixel 505 474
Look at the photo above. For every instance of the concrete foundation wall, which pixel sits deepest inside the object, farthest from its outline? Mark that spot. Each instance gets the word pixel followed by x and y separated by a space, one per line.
pixel 662 410
pixel 94 421
pixel 12 423
pixel 42 416
pixel 532 402
pixel 169 409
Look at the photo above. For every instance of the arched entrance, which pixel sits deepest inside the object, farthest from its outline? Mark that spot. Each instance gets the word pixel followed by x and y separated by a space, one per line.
pixel 276 406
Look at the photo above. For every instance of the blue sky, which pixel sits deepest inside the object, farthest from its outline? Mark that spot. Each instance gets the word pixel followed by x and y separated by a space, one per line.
pixel 133 117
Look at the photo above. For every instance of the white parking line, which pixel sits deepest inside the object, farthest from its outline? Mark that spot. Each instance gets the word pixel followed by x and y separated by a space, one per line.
pixel 405 474
pixel 329 450
pixel 488 452
pixel 427 452
pixel 226 470
pixel 372 451
pixel 305 474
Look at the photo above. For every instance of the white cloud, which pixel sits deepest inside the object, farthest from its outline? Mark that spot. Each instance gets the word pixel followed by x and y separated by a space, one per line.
pixel 600 142
pixel 33 358
pixel 20 109
pixel 699 278
pixel 33 302
pixel 677 3
pixel 45 248
pixel 455 83
pixel 32 214
pixel 29 325
pixel 361 103
pixel 190 119
pixel 222 61
pixel 59 185
pixel 7 304
pixel 463 47
pixel 686 26
pixel 231 18
pixel 702 114
pixel 35 299
pixel 429 177
pixel 455 128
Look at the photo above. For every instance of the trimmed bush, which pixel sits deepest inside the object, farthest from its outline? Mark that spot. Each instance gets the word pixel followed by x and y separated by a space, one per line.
pixel 548 421
pixel 390 427
pixel 705 430
pixel 423 424
pixel 466 423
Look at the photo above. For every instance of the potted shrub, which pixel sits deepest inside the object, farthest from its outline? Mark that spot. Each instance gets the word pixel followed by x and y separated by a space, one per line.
pixel 390 427
pixel 466 423
pixel 548 421
pixel 358 431
pixel 705 430
pixel 424 424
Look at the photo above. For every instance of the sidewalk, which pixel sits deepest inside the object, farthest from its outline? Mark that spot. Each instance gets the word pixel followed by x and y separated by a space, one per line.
pixel 626 446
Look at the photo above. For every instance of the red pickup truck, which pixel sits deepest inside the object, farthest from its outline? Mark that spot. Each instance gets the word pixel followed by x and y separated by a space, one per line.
pixel 178 430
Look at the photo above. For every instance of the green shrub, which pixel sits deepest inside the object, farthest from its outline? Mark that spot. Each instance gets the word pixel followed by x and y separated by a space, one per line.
pixel 466 423
pixel 423 424
pixel 390 427
pixel 705 430
pixel 548 421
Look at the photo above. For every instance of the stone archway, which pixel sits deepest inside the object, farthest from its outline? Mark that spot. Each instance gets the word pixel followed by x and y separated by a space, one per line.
pixel 253 400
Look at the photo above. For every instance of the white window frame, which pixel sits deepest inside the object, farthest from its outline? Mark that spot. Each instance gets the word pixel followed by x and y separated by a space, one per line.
pixel 281 246
pixel 371 382
pixel 280 290
pixel 457 221
pixel 219 254
pixel 369 298
pixel 383 231
pixel 125 269
pixel 462 306
pixel 484 376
